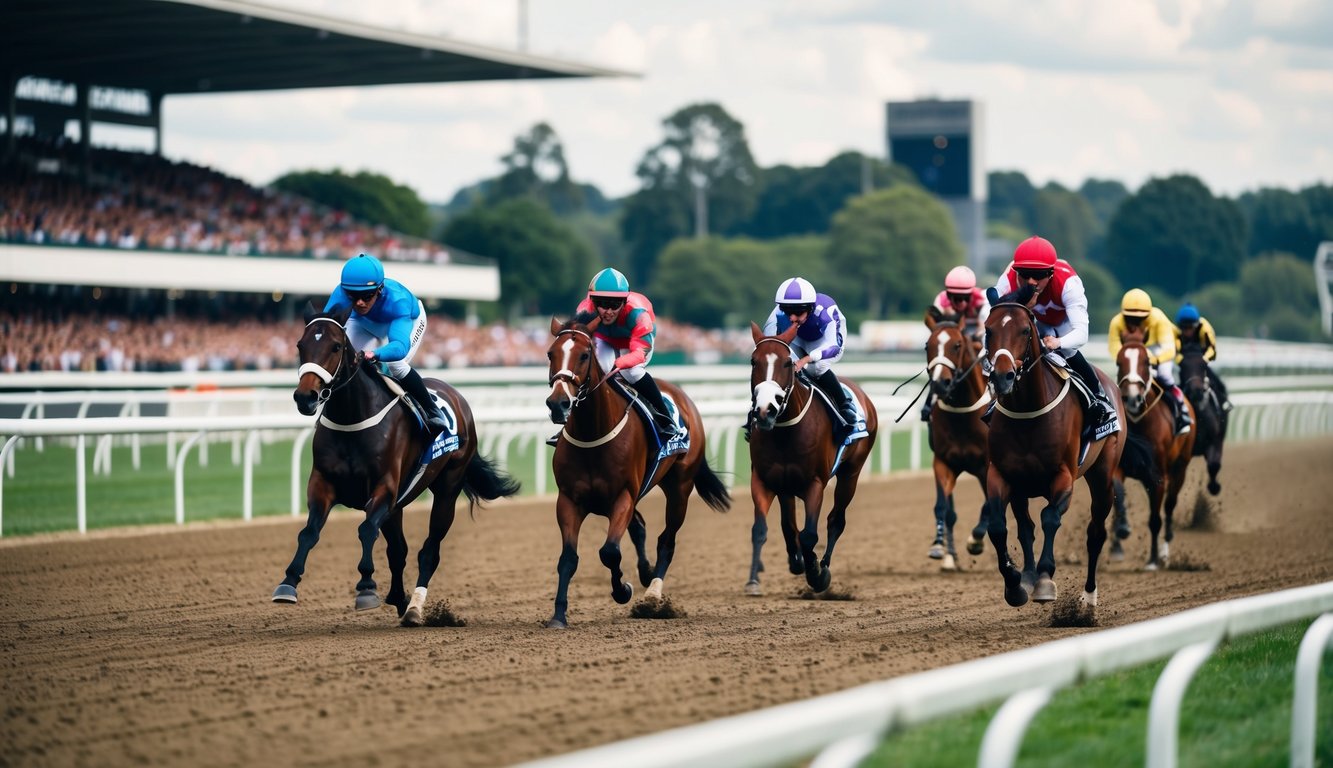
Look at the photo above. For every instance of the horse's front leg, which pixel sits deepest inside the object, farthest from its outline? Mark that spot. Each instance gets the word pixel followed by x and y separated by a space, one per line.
pixel 997 498
pixel 570 519
pixel 1061 491
pixel 787 506
pixel 378 509
pixel 816 573
pixel 945 480
pixel 319 500
pixel 1026 536
pixel 976 543
pixel 763 501
pixel 1156 491
pixel 1214 458
pixel 621 512
pixel 396 550
pixel 638 534
pixel 428 558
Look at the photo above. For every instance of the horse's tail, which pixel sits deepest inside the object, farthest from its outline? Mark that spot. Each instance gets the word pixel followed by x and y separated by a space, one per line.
pixel 1137 458
pixel 483 481
pixel 711 488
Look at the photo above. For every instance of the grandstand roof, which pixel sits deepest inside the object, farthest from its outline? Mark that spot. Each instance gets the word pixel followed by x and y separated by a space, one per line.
pixel 213 46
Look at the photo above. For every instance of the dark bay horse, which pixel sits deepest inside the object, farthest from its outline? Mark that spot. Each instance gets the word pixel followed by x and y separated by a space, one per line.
pixel 1210 421
pixel 1152 419
pixel 792 456
pixel 1034 451
pixel 368 450
pixel 602 460
pixel 958 436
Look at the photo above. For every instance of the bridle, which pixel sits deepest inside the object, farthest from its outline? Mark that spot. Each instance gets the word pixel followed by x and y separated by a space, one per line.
pixel 786 391
pixel 958 378
pixel 331 381
pixel 1024 365
pixel 580 386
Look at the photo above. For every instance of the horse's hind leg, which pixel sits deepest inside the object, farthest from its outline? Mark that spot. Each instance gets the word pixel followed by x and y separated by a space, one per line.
pixel 1155 493
pixel 976 543
pixel 1214 458
pixel 676 506
pixel 638 534
pixel 763 501
pixel 1122 529
pixel 621 590
pixel 377 510
pixel 570 519
pixel 428 559
pixel 816 573
pixel 1099 488
pixel 396 548
pixel 837 517
pixel 319 499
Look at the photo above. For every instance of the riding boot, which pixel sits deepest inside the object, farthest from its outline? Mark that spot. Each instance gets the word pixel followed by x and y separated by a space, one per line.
pixel 649 391
pixel 828 382
pixel 1100 410
pixel 925 407
pixel 1219 389
pixel 1183 420
pixel 416 388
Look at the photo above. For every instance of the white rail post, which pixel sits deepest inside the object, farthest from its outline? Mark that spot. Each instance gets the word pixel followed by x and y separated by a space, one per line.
pixel 180 475
pixel 6 454
pixel 81 483
pixel 248 476
pixel 1164 710
pixel 847 753
pixel 1004 735
pixel 1305 702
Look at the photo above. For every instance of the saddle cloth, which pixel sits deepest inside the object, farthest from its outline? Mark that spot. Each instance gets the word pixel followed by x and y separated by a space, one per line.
pixel 678 444
pixel 1061 367
pixel 446 441
pixel 858 430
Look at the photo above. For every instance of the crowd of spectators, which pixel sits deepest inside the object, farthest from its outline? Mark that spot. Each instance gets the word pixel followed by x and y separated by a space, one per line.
pixel 39 341
pixel 135 200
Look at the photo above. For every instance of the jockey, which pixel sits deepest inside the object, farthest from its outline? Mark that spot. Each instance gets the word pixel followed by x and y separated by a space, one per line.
pixel 387 324
pixel 1159 336
pixel 821 334
pixel 1194 328
pixel 963 300
pixel 624 338
pixel 1061 308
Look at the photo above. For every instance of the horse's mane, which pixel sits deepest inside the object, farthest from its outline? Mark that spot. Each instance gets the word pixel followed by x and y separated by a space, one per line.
pixel 582 318
pixel 1021 296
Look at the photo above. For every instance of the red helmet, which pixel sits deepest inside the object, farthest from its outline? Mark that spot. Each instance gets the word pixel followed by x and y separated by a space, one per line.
pixel 1035 253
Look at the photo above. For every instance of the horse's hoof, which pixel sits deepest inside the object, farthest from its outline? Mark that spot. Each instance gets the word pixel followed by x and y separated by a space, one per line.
pixel 285 593
pixel 1116 555
pixel 1214 488
pixel 949 565
pixel 1015 596
pixel 412 618
pixel 557 624
pixel 367 600
pixel 1150 566
pixel 753 589
pixel 819 581
pixel 796 565
pixel 645 575
pixel 623 595
pixel 1122 531
pixel 1045 591
pixel 936 551
pixel 975 546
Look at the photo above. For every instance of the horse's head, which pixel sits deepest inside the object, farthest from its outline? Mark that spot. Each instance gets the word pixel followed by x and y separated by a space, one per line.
pixel 1134 373
pixel 949 355
pixel 772 375
pixel 326 356
pixel 1193 372
pixel 1012 343
pixel 572 364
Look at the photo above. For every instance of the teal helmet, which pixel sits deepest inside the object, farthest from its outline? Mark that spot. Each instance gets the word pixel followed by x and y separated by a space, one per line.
pixel 609 283
pixel 362 273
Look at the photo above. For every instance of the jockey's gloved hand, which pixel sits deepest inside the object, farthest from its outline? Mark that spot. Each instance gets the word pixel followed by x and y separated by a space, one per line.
pixel 367 355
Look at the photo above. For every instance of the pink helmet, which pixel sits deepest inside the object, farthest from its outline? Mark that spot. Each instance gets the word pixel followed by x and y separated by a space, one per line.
pixel 959 280
pixel 1035 253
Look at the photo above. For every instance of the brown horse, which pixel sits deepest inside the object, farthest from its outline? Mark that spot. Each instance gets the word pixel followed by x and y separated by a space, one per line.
pixel 602 462
pixel 958 436
pixel 1034 451
pixel 368 454
pixel 1171 453
pixel 1210 422
pixel 793 455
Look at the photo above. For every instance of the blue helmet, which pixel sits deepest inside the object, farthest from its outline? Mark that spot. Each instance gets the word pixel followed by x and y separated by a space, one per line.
pixel 1187 314
pixel 609 283
pixel 362 273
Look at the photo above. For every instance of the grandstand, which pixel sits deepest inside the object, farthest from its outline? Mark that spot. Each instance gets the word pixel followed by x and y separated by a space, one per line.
pixel 119 260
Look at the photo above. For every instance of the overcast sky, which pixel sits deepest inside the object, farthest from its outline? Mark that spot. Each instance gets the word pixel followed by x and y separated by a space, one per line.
pixel 1237 93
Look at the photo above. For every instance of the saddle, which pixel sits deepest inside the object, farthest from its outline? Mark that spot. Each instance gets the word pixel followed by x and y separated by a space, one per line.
pixel 1089 434
pixel 678 444
pixel 446 441
pixel 853 432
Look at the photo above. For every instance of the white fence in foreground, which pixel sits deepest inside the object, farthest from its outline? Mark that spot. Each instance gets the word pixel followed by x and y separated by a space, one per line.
pixel 842 728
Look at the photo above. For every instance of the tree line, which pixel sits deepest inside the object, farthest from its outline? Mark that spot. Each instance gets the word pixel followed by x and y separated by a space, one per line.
pixel 709 234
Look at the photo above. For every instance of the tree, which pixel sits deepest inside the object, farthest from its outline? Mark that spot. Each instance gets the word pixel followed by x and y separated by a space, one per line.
pixel 1104 196
pixel 1010 198
pixel 799 201
pixel 1174 233
pixel 536 168
pixel 1279 280
pixel 368 197
pixel 1279 221
pixel 702 169
pixel 717 282
pixel 895 245
pixel 1318 200
pixel 1064 217
pixel 544 266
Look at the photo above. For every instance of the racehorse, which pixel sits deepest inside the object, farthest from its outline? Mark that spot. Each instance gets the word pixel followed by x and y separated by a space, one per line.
pixel 1171 452
pixel 958 436
pixel 1210 421
pixel 1035 438
pixel 368 454
pixel 602 461
pixel 793 454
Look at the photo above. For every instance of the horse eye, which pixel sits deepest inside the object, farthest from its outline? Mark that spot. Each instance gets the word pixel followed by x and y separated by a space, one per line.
pixel 337 347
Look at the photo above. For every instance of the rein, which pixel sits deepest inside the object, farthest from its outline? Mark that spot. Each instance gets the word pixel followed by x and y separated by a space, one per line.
pixel 582 392
pixel 786 392
pixel 333 384
pixel 1026 366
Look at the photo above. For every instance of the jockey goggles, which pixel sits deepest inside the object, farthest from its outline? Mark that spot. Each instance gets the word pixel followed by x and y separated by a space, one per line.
pixel 957 297
pixel 608 302
pixel 356 296
pixel 1040 273
pixel 794 309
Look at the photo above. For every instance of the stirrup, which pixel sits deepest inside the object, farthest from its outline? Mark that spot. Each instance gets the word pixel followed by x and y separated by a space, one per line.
pixel 553 440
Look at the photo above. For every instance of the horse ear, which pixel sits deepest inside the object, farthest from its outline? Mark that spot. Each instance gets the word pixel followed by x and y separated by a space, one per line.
pixel 556 325
pixel 309 311
pixel 790 333
pixel 992 296
pixel 343 315
pixel 756 332
pixel 596 321
pixel 932 317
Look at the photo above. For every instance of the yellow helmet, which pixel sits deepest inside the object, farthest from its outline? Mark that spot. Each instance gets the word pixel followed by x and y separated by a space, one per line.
pixel 1137 303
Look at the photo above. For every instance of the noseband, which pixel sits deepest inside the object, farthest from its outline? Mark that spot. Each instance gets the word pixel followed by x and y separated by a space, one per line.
pixel 581 391
pixel 1024 365
pixel 786 392
pixel 331 382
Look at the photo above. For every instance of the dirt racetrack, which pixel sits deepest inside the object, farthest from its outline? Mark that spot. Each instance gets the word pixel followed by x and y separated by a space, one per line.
pixel 161 647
